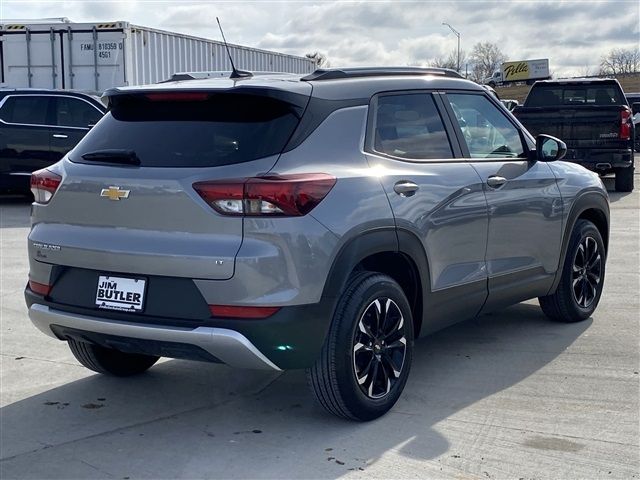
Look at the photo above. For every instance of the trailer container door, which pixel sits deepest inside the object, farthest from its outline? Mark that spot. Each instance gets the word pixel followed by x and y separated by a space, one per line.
pixel 32 58
pixel 94 59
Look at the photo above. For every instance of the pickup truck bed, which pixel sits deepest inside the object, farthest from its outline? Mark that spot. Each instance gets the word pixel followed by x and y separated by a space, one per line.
pixel 591 117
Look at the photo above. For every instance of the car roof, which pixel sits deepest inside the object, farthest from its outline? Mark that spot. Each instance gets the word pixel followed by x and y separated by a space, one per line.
pixel 355 84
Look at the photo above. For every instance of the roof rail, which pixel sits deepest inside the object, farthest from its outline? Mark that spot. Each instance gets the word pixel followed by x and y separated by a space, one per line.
pixel 338 73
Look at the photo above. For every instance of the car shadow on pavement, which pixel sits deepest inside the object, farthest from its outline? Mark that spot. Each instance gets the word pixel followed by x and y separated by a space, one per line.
pixel 184 419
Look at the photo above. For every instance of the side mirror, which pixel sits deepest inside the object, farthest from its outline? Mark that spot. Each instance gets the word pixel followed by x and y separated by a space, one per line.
pixel 549 148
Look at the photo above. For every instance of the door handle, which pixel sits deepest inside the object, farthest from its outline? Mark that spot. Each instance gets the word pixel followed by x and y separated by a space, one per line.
pixel 60 135
pixel 405 188
pixel 496 181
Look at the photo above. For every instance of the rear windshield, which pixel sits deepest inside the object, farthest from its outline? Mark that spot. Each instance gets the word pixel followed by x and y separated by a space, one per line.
pixel 224 130
pixel 555 95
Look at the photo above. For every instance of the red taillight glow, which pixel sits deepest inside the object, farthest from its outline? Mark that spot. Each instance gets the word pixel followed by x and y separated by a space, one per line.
pixel 177 96
pixel 44 184
pixel 625 125
pixel 39 288
pixel 276 195
pixel 230 311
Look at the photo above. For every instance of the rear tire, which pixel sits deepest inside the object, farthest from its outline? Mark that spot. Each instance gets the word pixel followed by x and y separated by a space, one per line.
pixel 580 287
pixel 365 361
pixel 110 361
pixel 624 179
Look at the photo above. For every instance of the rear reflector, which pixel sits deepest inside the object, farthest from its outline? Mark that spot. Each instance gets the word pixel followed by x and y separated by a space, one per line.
pixel 274 195
pixel 230 311
pixel 39 288
pixel 625 125
pixel 44 184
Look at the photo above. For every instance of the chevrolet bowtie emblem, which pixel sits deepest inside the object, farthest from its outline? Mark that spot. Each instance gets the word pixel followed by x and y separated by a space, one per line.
pixel 114 193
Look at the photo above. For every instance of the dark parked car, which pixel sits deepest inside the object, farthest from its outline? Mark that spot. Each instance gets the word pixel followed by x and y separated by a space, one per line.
pixel 38 128
pixel 592 117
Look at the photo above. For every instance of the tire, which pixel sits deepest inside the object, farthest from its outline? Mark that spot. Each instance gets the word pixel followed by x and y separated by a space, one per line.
pixel 355 345
pixel 110 361
pixel 624 179
pixel 580 288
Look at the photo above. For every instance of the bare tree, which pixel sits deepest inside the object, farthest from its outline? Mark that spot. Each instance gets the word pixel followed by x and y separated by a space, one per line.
pixel 586 71
pixel 450 61
pixel 620 61
pixel 320 59
pixel 486 58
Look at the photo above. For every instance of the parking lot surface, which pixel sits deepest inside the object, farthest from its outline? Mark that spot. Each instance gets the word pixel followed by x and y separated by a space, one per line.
pixel 508 395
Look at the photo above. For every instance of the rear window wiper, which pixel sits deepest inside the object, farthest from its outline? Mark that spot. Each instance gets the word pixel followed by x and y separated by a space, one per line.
pixel 125 157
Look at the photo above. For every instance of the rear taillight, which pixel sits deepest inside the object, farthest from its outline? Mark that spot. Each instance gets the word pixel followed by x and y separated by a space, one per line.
pixel 39 288
pixel 44 184
pixel 277 195
pixel 625 125
pixel 232 311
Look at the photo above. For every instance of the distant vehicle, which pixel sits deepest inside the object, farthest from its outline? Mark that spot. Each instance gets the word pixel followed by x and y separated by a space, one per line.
pixel 319 222
pixel 97 56
pixel 38 128
pixel 592 117
pixel 520 71
pixel 510 104
pixel 634 102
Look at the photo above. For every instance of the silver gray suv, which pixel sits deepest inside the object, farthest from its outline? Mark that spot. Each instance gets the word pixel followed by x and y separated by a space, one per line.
pixel 321 222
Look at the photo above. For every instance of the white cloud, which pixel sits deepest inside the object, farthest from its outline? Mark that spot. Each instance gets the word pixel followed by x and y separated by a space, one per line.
pixel 573 34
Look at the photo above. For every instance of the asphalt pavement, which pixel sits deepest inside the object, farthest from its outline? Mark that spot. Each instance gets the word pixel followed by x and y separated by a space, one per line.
pixel 507 395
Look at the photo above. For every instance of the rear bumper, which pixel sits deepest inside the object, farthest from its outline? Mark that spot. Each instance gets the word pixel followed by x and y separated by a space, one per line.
pixel 290 339
pixel 228 346
pixel 600 160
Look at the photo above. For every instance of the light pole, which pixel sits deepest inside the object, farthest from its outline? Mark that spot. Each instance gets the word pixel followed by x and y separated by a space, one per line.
pixel 457 35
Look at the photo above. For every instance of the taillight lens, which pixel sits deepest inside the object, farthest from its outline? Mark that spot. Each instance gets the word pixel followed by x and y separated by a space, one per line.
pixel 44 184
pixel 625 125
pixel 232 311
pixel 39 288
pixel 277 195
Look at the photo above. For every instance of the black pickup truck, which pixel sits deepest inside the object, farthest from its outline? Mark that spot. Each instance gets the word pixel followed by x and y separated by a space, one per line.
pixel 592 117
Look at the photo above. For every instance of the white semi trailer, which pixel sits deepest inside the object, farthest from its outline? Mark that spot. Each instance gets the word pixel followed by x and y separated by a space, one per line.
pixel 95 56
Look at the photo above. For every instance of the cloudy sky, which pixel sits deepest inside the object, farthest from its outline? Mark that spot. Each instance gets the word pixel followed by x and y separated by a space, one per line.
pixel 572 34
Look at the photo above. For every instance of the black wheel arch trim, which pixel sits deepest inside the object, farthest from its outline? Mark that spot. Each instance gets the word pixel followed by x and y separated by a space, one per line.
pixel 589 200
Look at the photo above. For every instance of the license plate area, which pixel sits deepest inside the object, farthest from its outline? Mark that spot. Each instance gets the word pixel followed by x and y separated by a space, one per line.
pixel 120 293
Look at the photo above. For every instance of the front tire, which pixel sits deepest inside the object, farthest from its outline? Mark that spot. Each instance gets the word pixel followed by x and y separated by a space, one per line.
pixel 624 179
pixel 580 287
pixel 110 361
pixel 365 361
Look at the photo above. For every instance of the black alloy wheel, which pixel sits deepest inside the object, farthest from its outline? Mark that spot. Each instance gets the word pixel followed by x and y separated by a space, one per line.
pixel 379 348
pixel 586 272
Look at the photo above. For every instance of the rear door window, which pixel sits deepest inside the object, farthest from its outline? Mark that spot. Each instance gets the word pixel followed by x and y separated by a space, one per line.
pixel 408 126
pixel 74 112
pixel 25 110
pixel 223 130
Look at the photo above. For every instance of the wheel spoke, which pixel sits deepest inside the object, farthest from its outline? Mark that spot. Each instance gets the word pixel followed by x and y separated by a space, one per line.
pixel 386 380
pixel 400 343
pixel 362 378
pixel 594 262
pixel 365 329
pixel 374 376
pixel 391 364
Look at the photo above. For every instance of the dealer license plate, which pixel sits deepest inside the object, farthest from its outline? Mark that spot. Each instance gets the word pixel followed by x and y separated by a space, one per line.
pixel 118 293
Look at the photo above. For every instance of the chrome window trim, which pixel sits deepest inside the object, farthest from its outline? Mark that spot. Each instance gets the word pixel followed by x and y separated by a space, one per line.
pixel 2 102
